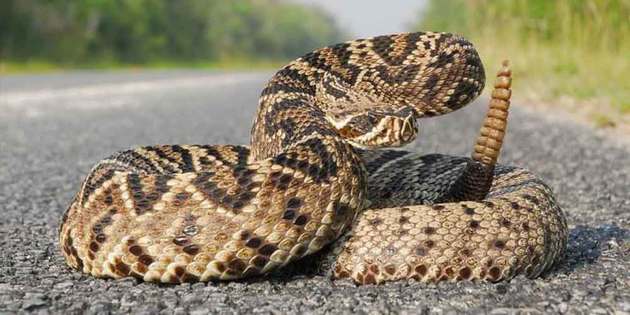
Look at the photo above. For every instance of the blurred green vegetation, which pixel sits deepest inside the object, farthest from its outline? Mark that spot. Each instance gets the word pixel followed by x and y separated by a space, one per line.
pixel 571 51
pixel 47 34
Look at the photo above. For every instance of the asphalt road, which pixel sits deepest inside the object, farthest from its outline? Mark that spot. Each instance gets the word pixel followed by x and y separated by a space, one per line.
pixel 54 127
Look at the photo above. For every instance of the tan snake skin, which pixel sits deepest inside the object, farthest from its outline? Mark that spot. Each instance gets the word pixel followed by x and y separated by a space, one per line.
pixel 176 213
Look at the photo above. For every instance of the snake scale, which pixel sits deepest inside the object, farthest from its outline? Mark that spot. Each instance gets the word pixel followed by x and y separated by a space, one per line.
pixel 318 168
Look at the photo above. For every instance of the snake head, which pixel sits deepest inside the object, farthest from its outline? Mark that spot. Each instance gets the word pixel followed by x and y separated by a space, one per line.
pixel 377 128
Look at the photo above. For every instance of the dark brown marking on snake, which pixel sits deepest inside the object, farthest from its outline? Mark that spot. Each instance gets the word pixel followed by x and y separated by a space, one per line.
pixel 186 164
pixel 406 71
pixel 341 273
pixel 341 208
pixel 300 250
pixel 168 165
pixel 374 269
pixel 316 60
pixel 284 181
pixel 301 220
pixel 473 224
pixel 179 271
pixel 72 251
pixel 121 268
pixel 142 269
pixel 189 277
pixel 94 247
pixel 494 273
pixel 96 178
pixel 428 230
pixel 212 150
pixel 181 198
pixel 525 226
pixel 463 92
pixel 236 265
pixel 344 69
pixel 289 215
pixel 499 244
pixel 386 49
pixel 468 210
pixel 530 250
pixel 144 202
pixel 191 249
pixel 369 279
pixel 98 237
pixel 244 235
pixel 421 270
pixel 101 238
pixel 137 161
pixel 300 82
pixel 332 90
pixel 136 250
pixel 109 200
pixel 145 259
pixel 429 85
pixel 401 232
pixel 294 203
pixel 259 261
pixel 267 249
pixel 211 190
pixel 253 242
pixel 465 273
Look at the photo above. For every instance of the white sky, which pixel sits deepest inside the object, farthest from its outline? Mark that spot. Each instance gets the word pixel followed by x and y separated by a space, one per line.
pixel 365 18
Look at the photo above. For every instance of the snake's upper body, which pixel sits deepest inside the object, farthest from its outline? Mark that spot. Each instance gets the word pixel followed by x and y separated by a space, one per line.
pixel 318 168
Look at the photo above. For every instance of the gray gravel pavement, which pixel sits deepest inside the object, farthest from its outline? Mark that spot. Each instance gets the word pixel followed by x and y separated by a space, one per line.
pixel 54 127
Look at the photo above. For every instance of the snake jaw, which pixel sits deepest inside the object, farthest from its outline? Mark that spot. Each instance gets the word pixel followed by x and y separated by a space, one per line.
pixel 378 130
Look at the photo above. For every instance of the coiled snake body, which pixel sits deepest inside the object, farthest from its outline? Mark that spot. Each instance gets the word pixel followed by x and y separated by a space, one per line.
pixel 178 213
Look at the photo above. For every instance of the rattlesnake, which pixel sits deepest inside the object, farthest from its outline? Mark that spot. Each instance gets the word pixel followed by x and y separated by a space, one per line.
pixel 176 213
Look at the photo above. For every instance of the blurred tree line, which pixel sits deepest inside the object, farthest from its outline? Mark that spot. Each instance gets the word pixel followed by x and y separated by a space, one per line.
pixel 140 31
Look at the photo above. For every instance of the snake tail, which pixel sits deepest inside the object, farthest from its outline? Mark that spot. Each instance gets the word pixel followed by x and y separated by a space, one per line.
pixel 476 179
pixel 490 140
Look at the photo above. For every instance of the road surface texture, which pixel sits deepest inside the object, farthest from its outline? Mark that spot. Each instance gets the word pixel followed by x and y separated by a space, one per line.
pixel 53 128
